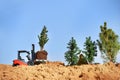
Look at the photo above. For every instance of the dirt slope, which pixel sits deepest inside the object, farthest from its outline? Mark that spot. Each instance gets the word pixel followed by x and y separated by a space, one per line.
pixel 57 71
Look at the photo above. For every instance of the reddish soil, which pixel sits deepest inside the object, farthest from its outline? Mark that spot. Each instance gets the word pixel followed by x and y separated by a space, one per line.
pixel 41 55
pixel 57 71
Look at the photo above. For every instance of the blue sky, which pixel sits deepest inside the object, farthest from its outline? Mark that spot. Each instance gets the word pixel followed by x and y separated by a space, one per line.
pixel 22 20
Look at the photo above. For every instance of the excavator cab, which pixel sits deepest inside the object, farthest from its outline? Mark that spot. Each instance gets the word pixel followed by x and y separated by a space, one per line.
pixel 33 58
pixel 21 61
pixel 23 51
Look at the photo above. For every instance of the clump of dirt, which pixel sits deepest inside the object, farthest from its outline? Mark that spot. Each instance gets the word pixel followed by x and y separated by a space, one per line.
pixel 41 55
pixel 58 71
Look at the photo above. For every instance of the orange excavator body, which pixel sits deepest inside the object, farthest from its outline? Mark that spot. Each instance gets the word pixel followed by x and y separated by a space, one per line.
pixel 18 62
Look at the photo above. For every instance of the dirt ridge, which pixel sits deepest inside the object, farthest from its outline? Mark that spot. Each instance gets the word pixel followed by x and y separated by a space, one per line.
pixel 58 71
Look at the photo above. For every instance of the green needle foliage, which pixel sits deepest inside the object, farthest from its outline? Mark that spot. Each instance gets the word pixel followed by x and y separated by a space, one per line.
pixel 71 55
pixel 90 49
pixel 108 43
pixel 43 38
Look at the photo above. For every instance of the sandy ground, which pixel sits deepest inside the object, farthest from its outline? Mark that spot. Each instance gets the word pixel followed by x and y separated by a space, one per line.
pixel 57 71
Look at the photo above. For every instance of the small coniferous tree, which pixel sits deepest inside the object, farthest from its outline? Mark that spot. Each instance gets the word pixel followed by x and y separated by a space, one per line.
pixel 108 43
pixel 82 60
pixel 71 55
pixel 43 38
pixel 90 50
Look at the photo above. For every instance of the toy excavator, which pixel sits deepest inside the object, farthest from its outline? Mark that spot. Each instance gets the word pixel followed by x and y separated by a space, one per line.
pixel 31 60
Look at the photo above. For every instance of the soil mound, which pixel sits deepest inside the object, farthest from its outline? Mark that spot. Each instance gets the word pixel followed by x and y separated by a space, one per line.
pixel 58 71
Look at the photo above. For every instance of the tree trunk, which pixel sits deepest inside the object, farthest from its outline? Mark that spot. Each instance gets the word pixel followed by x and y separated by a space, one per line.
pixel 41 48
pixel 111 59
